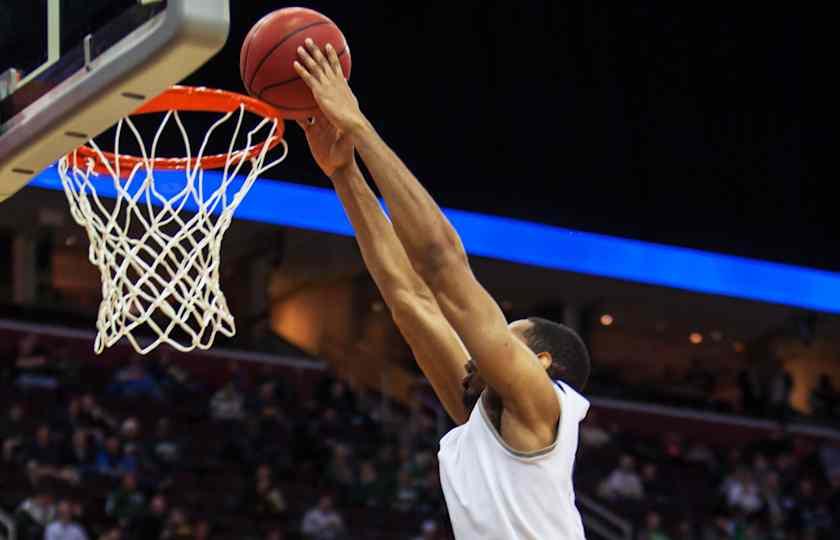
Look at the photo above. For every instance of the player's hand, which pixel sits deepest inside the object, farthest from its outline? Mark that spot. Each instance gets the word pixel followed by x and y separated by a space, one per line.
pixel 331 149
pixel 322 72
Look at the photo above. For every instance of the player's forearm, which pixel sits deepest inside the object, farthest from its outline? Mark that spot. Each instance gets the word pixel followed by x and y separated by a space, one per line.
pixel 427 236
pixel 381 249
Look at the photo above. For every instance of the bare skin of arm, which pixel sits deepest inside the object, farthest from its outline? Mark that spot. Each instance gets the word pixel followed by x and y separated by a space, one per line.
pixel 435 345
pixel 437 254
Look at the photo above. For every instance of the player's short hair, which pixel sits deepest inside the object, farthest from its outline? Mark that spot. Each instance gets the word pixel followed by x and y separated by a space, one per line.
pixel 565 347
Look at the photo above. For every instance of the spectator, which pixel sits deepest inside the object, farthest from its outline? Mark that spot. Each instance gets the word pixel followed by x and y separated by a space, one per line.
pixel 175 382
pixel 773 500
pixel 114 533
pixel 406 494
pixel 150 523
pixel 164 448
pixel 781 385
pixel 824 398
pixel 742 491
pixel 623 482
pixel 78 456
pixel 227 403
pixel 653 486
pixel 11 428
pixel 178 526
pixel 428 531
pixel 65 528
pixel 33 368
pixel 339 473
pixel 135 381
pixel 95 417
pixel 653 528
pixel 126 502
pixel 112 461
pixel 43 450
pixel 592 434
pixel 266 499
pixel 202 530
pixel 323 522
pixel 370 489
pixel 33 515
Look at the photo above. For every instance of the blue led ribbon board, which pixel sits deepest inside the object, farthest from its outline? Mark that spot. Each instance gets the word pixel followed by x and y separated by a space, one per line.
pixel 304 207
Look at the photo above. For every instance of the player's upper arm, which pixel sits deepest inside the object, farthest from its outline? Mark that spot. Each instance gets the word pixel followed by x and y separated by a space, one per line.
pixel 436 347
pixel 505 363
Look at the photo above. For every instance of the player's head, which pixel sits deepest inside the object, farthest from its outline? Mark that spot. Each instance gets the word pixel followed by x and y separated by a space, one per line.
pixel 558 347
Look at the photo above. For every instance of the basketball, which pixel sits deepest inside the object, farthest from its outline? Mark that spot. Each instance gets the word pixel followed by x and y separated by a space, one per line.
pixel 269 50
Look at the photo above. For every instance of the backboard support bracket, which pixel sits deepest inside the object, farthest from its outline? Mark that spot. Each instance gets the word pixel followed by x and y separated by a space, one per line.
pixel 161 52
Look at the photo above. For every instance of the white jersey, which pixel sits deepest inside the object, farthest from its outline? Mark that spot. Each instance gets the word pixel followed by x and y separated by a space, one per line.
pixel 496 493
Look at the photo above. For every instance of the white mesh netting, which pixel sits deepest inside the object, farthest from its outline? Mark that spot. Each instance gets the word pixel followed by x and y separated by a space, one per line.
pixel 157 244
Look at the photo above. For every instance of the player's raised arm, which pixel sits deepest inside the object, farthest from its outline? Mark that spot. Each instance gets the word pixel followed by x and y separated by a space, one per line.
pixel 436 347
pixel 437 254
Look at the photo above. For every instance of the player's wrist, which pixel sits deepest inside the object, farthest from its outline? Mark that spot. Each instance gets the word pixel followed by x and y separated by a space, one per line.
pixel 343 171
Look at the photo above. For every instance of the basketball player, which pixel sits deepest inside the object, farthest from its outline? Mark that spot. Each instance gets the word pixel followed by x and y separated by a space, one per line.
pixel 513 389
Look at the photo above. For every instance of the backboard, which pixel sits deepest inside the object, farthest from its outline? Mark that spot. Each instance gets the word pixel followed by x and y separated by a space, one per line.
pixel 70 70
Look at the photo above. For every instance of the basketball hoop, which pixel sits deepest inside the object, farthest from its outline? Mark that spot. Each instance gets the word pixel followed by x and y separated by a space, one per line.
pixel 158 245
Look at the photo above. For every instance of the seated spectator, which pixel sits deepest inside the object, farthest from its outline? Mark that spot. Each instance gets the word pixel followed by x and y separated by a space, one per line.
pixel 429 530
pixel 824 398
pixel 178 526
pixel 43 450
pixel 773 500
pixel 79 456
pixel 339 473
pixel 112 461
pixel 150 523
pixel 406 494
pixel 653 486
pixel 11 429
pixel 164 448
pixel 176 382
pixel 266 499
pixel 64 528
pixel 701 454
pixel 323 522
pixel 592 434
pixel 227 403
pixel 33 515
pixel 126 502
pixel 33 368
pixel 742 492
pixel 370 489
pixel 134 381
pixel 114 533
pixel 202 530
pixel 653 528
pixel 623 482
pixel 95 417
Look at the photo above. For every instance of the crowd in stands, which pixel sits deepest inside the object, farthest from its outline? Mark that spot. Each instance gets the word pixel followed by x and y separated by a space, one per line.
pixel 149 450
pixel 776 488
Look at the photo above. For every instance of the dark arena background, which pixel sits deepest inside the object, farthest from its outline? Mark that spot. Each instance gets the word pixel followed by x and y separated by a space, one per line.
pixel 633 170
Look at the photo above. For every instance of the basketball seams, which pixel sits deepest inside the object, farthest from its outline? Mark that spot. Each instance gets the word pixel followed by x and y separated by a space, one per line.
pixel 287 81
pixel 280 44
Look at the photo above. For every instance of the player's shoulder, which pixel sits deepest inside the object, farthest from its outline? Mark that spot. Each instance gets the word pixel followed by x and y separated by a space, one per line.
pixel 572 402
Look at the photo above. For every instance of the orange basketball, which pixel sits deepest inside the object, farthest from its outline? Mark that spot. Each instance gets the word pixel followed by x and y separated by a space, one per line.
pixel 270 48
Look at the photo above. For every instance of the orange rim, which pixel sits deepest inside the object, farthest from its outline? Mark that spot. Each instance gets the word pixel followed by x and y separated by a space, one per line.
pixel 189 98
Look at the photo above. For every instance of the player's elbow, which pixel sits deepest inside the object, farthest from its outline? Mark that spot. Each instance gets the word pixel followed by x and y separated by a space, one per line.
pixel 408 306
pixel 438 259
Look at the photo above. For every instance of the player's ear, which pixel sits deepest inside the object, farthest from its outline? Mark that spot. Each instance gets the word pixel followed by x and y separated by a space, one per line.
pixel 545 359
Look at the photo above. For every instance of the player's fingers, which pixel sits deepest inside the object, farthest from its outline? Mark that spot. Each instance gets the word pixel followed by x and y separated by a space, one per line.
pixel 332 56
pixel 319 57
pixel 304 74
pixel 310 63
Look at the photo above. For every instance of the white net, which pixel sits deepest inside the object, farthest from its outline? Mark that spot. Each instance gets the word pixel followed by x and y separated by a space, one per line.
pixel 157 243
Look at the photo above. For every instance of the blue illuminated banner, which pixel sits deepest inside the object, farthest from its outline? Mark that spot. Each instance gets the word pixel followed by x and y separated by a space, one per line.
pixel 294 205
